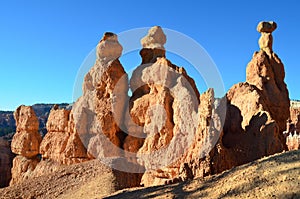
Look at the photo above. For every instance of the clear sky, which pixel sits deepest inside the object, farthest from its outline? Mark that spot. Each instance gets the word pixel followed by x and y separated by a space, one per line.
pixel 43 43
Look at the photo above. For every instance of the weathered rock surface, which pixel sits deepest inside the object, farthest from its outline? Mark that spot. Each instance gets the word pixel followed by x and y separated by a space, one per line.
pixel 96 116
pixel 164 104
pixel 155 39
pixel 266 72
pixel 166 125
pixel 197 162
pixel 6 158
pixel 293 141
pixel 292 133
pixel 59 145
pixel 8 123
pixel 266 40
pixel 23 168
pixel 255 117
pixel 249 131
pixel 26 141
pixel 266 26
pixel 256 112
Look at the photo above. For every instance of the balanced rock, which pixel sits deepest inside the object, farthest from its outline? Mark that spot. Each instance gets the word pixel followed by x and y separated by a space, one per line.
pixel 109 48
pixel 266 39
pixel 155 38
pixel 256 115
pixel 266 72
pixel 153 45
pixel 26 141
pixel 266 26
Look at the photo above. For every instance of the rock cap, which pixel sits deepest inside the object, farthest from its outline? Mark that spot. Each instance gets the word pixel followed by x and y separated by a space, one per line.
pixel 266 26
pixel 155 38
pixel 109 47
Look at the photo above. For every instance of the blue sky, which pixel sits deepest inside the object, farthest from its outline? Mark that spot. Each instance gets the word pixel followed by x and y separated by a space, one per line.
pixel 43 43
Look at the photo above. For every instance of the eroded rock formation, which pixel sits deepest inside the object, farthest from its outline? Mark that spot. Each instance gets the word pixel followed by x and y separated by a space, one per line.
pixel 164 104
pixel 166 126
pixel 266 72
pixel 59 144
pixel 25 144
pixel 256 112
pixel 26 141
pixel 96 116
pixel 292 133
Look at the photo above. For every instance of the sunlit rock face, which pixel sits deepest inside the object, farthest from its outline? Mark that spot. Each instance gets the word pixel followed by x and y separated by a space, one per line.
pixel 97 115
pixel 25 144
pixel 256 112
pixel 257 109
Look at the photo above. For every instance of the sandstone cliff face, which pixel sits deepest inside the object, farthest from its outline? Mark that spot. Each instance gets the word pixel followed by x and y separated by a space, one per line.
pixel 249 131
pixel 59 145
pixel 6 158
pixel 266 72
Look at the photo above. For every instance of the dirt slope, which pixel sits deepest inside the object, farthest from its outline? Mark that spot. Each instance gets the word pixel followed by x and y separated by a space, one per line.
pixel 276 176
pixel 86 180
